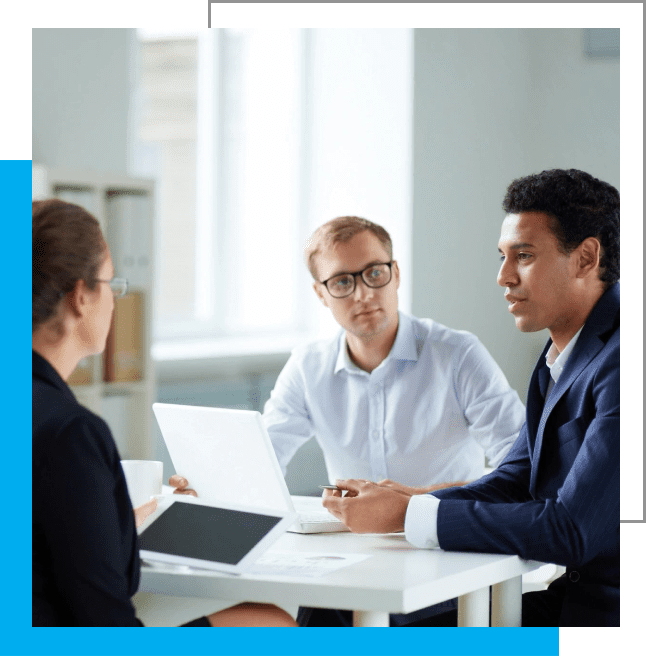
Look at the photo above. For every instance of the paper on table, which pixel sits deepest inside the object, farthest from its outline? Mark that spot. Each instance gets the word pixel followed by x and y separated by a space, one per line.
pixel 279 563
pixel 313 564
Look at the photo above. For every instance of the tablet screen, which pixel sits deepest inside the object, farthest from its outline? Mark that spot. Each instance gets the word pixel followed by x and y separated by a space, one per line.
pixel 206 533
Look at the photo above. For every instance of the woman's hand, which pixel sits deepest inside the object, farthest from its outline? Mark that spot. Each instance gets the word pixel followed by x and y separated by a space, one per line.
pixel 143 511
pixel 181 485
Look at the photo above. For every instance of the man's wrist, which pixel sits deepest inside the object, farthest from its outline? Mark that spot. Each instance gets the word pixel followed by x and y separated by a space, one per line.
pixel 404 513
pixel 443 486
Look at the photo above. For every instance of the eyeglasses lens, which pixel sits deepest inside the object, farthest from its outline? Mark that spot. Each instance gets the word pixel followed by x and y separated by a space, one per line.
pixel 119 287
pixel 374 276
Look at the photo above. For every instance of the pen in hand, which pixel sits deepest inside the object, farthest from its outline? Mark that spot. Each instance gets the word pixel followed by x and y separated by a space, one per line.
pixel 329 487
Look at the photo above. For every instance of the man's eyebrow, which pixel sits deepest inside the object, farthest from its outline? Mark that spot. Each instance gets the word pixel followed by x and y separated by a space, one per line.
pixel 340 273
pixel 515 247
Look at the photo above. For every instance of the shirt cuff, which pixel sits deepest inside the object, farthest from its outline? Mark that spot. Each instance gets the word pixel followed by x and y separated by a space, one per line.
pixel 420 525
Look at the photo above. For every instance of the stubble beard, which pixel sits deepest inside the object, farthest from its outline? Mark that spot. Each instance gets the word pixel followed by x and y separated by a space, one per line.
pixel 375 328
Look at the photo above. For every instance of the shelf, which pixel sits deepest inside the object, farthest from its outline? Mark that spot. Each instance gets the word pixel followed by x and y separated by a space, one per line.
pixel 124 207
pixel 124 389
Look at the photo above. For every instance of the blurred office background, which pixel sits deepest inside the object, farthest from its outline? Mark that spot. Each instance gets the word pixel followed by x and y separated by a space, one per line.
pixel 254 138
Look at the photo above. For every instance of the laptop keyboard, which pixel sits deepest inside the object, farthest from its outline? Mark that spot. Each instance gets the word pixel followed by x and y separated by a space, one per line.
pixel 317 518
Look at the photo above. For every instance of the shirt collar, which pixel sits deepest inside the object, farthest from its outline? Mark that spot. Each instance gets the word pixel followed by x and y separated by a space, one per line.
pixel 404 347
pixel 556 361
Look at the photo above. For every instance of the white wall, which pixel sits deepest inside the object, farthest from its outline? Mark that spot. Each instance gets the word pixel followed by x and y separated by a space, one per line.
pixel 81 94
pixel 492 105
pixel 575 100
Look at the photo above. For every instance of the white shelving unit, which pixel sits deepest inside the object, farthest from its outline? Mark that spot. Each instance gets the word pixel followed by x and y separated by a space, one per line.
pixel 124 207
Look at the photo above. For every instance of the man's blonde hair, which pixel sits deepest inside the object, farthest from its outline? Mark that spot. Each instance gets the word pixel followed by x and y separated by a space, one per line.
pixel 342 229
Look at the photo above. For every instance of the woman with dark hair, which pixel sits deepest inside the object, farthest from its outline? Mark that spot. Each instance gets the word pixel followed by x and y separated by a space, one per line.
pixel 85 563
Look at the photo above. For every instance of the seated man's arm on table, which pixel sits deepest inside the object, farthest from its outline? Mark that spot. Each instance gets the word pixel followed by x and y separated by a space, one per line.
pixel 576 523
pixel 509 481
pixel 407 489
pixel 374 508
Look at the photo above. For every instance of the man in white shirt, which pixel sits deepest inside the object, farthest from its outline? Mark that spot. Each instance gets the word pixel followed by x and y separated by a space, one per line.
pixel 555 497
pixel 391 397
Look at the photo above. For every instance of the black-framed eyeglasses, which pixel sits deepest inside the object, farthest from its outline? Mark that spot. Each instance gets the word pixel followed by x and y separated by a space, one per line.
pixel 343 284
pixel 119 286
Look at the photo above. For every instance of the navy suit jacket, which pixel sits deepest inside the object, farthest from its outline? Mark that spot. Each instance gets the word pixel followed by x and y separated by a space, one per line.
pixel 555 497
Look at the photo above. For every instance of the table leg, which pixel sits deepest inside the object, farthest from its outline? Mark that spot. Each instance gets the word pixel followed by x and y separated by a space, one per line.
pixel 506 603
pixel 370 618
pixel 473 608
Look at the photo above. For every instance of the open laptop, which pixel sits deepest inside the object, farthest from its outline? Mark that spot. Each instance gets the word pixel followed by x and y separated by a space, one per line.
pixel 227 457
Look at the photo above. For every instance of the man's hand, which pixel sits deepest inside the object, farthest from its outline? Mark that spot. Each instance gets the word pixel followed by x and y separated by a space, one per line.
pixel 400 487
pixel 368 507
pixel 418 490
pixel 336 493
pixel 143 511
pixel 181 485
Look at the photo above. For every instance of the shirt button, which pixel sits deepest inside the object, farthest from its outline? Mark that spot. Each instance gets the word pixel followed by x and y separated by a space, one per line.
pixel 574 576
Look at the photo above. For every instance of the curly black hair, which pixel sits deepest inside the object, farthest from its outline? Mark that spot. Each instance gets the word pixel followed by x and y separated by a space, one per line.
pixel 579 205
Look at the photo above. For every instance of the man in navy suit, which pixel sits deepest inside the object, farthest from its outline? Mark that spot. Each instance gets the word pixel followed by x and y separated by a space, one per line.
pixel 555 497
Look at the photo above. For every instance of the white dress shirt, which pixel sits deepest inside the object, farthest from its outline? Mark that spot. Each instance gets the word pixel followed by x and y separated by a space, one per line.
pixel 556 361
pixel 429 413
pixel 421 515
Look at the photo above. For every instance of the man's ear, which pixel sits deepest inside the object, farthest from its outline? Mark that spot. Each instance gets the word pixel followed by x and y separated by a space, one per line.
pixel 395 269
pixel 318 288
pixel 589 251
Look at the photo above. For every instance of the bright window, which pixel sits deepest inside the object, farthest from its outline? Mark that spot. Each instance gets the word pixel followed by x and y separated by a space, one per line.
pixel 220 125
pixel 256 137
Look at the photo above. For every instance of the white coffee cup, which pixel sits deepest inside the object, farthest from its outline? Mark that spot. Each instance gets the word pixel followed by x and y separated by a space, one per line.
pixel 143 478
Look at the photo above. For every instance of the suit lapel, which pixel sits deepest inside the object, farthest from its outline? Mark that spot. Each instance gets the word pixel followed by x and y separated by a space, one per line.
pixel 601 320
pixel 535 402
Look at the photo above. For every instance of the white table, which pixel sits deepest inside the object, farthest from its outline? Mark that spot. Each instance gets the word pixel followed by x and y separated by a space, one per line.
pixel 397 578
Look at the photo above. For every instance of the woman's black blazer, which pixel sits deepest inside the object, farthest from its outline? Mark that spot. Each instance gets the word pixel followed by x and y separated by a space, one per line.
pixel 85 555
